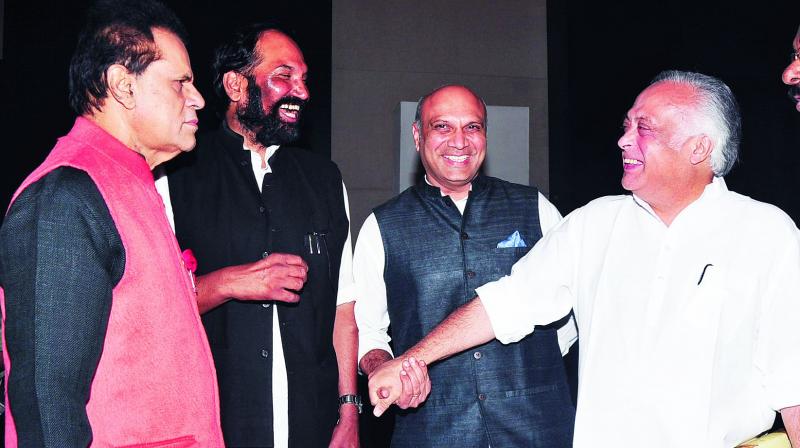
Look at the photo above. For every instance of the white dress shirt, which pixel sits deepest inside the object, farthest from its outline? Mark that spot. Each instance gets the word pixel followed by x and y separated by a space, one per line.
pixel 690 334
pixel 280 385
pixel 371 310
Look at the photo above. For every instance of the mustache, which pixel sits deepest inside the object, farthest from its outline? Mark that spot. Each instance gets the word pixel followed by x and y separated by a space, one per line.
pixel 794 93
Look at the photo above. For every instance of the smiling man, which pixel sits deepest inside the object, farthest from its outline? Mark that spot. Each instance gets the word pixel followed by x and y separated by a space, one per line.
pixel 269 227
pixel 685 293
pixel 791 75
pixel 420 256
pixel 102 340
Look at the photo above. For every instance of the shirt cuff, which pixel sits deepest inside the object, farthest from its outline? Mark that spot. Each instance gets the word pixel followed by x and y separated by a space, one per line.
pixel 501 313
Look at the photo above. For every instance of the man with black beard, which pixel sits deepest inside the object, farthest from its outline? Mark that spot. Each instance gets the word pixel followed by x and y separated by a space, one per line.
pixel 791 74
pixel 269 227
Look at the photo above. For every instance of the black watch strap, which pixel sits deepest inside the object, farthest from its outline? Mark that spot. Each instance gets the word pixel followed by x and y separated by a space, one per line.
pixel 351 399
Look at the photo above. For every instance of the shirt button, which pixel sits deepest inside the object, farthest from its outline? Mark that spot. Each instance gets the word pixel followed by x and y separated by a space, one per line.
pixel 471 274
pixel 477 355
pixel 265 305
pixel 482 397
pixel 261 209
pixel 264 354
pixel 464 236
pixel 265 254
pixel 244 163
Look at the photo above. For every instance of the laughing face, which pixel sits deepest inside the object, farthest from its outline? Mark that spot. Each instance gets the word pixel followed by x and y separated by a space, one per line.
pixel 791 75
pixel 452 141
pixel 655 143
pixel 276 91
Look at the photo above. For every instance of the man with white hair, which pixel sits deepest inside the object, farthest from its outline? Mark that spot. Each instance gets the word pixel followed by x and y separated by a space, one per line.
pixel 685 293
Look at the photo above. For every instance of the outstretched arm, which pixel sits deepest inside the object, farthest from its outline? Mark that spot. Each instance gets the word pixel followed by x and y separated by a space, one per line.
pixel 466 327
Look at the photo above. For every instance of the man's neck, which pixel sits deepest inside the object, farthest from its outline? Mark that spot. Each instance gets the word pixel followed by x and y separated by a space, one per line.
pixel 668 207
pixel 250 141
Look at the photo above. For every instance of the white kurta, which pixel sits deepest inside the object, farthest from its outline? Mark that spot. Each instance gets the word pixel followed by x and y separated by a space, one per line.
pixel 690 334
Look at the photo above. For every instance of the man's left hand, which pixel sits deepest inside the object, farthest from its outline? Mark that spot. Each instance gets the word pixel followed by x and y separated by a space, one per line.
pixel 345 434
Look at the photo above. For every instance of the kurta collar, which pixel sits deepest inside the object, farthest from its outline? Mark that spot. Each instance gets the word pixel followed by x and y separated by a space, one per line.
pixel 100 140
pixel 712 191
pixel 426 190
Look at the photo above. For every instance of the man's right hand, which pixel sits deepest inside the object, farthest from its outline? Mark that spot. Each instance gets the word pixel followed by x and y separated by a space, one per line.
pixel 276 277
pixel 403 382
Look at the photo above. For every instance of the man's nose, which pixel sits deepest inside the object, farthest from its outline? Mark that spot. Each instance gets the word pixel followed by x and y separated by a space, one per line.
pixel 300 90
pixel 458 140
pixel 194 99
pixel 625 140
pixel 791 75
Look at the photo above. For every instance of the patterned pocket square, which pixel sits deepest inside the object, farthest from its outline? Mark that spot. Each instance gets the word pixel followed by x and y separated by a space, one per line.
pixel 514 240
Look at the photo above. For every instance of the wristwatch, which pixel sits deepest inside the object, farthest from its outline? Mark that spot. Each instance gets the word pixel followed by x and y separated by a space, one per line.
pixel 351 399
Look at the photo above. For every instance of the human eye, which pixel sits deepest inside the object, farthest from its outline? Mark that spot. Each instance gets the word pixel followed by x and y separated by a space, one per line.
pixel 474 127
pixel 440 126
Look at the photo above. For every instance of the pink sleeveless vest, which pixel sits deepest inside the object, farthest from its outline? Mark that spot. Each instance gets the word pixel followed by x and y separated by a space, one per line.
pixel 155 384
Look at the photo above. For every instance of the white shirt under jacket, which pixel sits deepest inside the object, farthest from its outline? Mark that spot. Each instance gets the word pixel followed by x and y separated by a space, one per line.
pixel 371 309
pixel 690 334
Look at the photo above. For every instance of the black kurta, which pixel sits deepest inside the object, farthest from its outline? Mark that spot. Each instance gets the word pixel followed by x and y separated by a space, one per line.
pixel 221 215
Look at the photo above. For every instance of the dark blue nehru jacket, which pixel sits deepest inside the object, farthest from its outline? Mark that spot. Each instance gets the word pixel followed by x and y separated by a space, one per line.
pixel 505 395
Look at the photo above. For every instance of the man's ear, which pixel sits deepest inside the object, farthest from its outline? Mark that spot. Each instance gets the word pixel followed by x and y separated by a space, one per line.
pixel 235 86
pixel 702 146
pixel 120 85
pixel 415 131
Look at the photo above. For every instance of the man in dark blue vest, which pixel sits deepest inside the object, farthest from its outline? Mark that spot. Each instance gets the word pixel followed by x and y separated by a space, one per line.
pixel 268 224
pixel 421 255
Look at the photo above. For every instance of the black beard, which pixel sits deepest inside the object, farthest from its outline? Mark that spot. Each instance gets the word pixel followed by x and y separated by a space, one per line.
pixel 794 92
pixel 268 128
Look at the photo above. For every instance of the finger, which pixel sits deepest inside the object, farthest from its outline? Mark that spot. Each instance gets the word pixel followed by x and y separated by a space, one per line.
pixel 425 387
pixel 287 259
pixel 282 295
pixel 406 397
pixel 408 366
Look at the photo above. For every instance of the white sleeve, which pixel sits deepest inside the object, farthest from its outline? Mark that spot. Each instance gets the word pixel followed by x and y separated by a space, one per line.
pixel 538 291
pixel 777 354
pixel 372 313
pixel 346 291
pixel 549 217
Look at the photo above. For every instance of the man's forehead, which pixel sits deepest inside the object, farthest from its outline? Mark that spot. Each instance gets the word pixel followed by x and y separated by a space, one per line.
pixel 451 101
pixel 171 49
pixel 660 99
pixel 276 49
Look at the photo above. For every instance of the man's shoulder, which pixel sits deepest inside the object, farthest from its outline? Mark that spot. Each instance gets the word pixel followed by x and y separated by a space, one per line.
pixel 62 184
pixel 763 215
pixel 510 187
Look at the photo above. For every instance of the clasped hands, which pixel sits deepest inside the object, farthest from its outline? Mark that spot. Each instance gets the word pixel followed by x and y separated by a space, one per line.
pixel 402 381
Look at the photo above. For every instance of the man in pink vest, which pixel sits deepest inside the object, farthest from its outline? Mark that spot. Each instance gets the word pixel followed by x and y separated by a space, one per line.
pixel 102 340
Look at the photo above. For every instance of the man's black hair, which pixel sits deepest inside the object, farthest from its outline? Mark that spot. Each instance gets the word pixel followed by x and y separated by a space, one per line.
pixel 116 32
pixel 238 54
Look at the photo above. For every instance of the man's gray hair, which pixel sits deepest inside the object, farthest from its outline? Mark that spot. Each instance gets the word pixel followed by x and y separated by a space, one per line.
pixel 716 102
pixel 424 98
